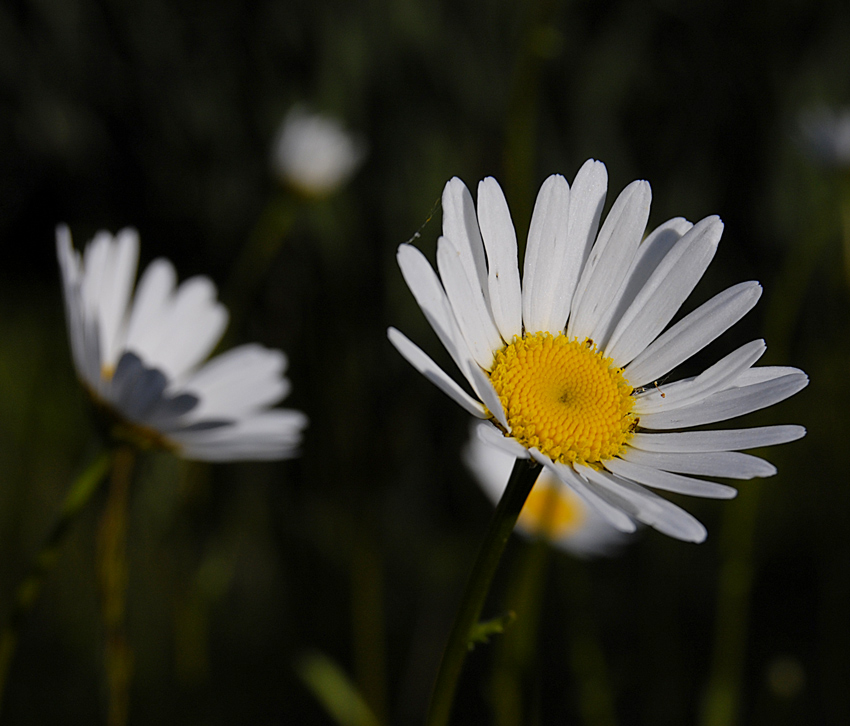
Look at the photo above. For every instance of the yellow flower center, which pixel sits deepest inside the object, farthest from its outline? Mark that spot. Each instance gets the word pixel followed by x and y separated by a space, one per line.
pixel 562 397
pixel 551 510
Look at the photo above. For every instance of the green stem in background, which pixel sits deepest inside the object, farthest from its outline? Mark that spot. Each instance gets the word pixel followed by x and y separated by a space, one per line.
pixel 844 187
pixel 587 656
pixel 521 481
pixel 515 651
pixel 721 702
pixel 540 42
pixel 28 591
pixel 368 624
pixel 258 254
pixel 112 572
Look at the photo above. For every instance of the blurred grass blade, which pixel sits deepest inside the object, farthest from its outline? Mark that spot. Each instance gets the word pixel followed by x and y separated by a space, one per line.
pixel 30 588
pixel 334 690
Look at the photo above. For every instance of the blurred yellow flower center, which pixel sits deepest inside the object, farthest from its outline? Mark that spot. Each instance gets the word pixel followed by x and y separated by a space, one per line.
pixel 551 511
pixel 562 397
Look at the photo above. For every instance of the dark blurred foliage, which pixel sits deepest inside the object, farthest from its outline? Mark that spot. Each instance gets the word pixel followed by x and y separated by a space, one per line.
pixel 160 115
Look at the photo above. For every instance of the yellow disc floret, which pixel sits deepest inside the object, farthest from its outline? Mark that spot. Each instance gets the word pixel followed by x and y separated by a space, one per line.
pixel 563 397
pixel 551 510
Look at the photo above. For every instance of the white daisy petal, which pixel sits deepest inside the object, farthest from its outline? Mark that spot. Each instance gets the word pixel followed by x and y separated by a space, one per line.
pixel 193 324
pixel 599 500
pixel 96 259
pixel 69 265
pixel 271 435
pixel 722 374
pixel 762 374
pixel 546 255
pixel 150 304
pixel 573 527
pixel 726 440
pixel 426 288
pixel 490 435
pixel 428 368
pixel 669 481
pixel 649 256
pixel 497 229
pixel 460 224
pixel 468 304
pixel 136 362
pixel 728 404
pixel 587 198
pixel 116 287
pixel 487 394
pixel 665 291
pixel 490 463
pixel 692 333
pixel 239 381
pixel 730 464
pixel 429 294
pixel 561 234
pixel 609 260
pixel 649 508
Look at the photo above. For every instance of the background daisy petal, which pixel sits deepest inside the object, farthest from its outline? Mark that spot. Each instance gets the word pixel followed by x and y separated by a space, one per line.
pixel 270 435
pixel 239 381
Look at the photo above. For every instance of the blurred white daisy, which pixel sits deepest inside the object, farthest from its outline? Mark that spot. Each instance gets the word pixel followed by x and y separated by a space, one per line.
pixel 564 367
pixel 552 511
pixel 826 135
pixel 142 359
pixel 314 153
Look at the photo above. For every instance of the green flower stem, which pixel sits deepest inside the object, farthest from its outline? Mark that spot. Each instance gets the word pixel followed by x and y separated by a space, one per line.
pixel 522 479
pixel 113 575
pixel 587 656
pixel 368 624
pixel 258 254
pixel 845 223
pixel 28 591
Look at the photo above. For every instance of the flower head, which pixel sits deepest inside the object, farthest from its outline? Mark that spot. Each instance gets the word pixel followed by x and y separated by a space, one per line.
pixel 564 366
pixel 314 153
pixel 552 511
pixel 141 358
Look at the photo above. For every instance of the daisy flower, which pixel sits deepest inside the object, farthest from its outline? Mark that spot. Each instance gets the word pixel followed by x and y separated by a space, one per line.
pixel 314 153
pixel 552 511
pixel 142 359
pixel 565 366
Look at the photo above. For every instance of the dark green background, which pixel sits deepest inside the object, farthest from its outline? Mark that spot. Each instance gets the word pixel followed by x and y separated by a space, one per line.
pixel 160 115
